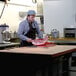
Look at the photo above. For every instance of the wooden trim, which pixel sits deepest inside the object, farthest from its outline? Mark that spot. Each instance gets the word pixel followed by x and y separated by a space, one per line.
pixel 62 53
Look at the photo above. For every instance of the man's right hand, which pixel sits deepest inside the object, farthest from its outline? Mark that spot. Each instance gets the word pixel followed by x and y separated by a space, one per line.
pixel 29 40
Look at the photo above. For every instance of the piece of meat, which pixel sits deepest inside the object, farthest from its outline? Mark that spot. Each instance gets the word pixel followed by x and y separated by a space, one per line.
pixel 40 41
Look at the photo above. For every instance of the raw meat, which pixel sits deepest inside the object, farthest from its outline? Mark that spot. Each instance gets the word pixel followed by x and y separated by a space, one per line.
pixel 40 41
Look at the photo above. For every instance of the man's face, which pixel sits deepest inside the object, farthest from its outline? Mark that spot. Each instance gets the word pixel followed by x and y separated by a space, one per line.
pixel 31 18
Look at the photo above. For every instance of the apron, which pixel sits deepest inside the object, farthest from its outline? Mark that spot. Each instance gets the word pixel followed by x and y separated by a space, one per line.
pixel 30 34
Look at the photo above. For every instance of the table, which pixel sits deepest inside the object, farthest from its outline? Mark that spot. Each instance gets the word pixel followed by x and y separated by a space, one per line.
pixel 37 61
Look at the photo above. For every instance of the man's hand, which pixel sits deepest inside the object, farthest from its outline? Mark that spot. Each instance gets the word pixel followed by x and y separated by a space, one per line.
pixel 29 40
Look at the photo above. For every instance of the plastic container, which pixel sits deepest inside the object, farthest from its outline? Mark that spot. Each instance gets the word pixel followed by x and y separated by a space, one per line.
pixel 55 33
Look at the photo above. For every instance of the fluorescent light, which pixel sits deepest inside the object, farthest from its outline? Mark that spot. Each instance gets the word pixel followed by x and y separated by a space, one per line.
pixel 22 2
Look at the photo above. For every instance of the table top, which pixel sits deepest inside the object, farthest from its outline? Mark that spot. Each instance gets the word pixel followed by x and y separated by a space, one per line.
pixel 53 50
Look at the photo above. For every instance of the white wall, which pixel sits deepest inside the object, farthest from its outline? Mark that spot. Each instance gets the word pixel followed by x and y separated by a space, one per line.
pixel 11 15
pixel 74 8
pixel 59 14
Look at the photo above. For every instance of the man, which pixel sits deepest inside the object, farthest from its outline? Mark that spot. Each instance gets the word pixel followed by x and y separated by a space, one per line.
pixel 28 29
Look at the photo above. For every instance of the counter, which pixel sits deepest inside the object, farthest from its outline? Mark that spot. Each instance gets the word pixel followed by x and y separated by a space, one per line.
pixel 37 61
pixel 67 41
pixel 8 45
pixel 56 50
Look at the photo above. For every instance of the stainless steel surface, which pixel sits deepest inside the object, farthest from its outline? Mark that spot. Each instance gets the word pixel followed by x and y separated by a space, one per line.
pixel 8 44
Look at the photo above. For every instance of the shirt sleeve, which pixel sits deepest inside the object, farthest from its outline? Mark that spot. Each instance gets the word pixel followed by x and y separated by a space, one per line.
pixel 39 33
pixel 20 32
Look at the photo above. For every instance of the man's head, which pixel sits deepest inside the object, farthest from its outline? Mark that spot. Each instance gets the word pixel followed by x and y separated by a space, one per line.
pixel 31 15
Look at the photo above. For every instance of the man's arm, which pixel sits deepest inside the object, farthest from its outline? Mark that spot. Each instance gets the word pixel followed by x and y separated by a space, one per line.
pixel 20 32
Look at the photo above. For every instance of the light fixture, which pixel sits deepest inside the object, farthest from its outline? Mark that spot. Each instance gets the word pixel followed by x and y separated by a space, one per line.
pixel 4 1
pixel 34 1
